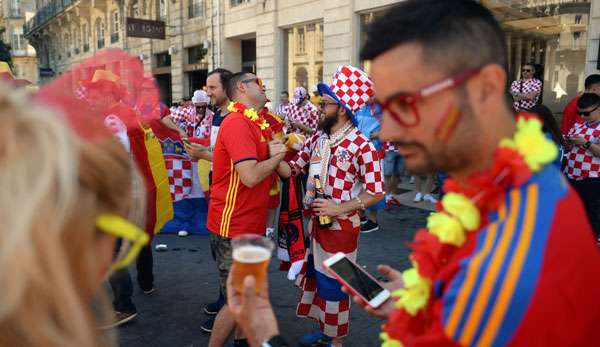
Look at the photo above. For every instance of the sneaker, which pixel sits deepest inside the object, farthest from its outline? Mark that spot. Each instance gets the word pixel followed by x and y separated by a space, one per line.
pixel 369 226
pixel 120 319
pixel 418 197
pixel 214 307
pixel 430 198
pixel 207 326
pixel 149 291
pixel 363 220
pixel 315 339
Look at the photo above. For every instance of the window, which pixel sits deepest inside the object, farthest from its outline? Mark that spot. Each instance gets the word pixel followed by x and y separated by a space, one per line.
pixel 196 8
pixel 100 34
pixel 86 38
pixel 15 8
pixel 114 35
pixel 196 54
pixel 76 41
pixel 163 10
pixel 18 41
pixel 238 2
pixel 300 41
pixel 163 59
pixel 115 22
pixel 303 50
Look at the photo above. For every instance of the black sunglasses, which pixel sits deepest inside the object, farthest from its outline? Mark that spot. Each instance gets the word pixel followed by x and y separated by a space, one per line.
pixel 526 70
pixel 587 113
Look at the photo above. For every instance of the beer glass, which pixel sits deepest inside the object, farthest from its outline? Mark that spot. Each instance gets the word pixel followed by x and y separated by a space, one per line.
pixel 251 255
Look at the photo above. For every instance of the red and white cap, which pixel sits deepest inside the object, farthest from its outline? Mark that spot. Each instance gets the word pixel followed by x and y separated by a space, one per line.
pixel 350 87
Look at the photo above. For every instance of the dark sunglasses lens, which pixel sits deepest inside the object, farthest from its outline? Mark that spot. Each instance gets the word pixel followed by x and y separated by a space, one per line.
pixel 526 70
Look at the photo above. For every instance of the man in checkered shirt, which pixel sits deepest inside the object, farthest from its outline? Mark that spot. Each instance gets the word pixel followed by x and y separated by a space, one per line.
pixel 302 115
pixel 583 160
pixel 349 168
pixel 527 90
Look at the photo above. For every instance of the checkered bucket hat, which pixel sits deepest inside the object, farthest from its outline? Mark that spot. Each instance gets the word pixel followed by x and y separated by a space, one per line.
pixel 350 87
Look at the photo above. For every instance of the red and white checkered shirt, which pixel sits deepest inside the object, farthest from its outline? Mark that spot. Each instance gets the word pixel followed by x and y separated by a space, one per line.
pixel 526 86
pixel 354 161
pixel 307 115
pixel 581 162
pixel 185 117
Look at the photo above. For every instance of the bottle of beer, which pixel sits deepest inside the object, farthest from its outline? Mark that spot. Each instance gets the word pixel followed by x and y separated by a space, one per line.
pixel 324 221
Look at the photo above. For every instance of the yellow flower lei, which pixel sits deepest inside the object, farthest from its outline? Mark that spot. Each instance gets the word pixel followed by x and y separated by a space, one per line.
pixel 460 215
pixel 251 114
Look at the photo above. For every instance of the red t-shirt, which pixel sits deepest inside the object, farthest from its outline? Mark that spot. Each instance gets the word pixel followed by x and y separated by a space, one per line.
pixel 235 209
pixel 570 116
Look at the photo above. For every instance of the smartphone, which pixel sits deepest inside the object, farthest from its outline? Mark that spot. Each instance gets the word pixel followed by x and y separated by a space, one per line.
pixel 357 280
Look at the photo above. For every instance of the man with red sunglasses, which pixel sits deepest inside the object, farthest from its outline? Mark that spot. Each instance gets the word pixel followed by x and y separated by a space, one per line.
pixel 530 276
pixel 528 271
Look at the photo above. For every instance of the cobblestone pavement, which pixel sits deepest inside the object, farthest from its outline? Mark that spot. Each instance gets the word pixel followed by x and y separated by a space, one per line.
pixel 186 281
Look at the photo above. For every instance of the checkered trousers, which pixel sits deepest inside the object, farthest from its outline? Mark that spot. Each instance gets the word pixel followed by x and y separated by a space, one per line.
pixel 179 173
pixel 185 118
pixel 581 162
pixel 528 86
pixel 333 316
pixel 355 161
pixel 307 115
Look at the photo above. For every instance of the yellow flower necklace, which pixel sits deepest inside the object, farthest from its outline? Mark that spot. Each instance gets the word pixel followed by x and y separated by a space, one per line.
pixel 463 210
pixel 255 117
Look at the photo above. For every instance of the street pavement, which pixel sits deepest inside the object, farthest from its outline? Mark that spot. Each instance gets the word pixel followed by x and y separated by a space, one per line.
pixel 186 280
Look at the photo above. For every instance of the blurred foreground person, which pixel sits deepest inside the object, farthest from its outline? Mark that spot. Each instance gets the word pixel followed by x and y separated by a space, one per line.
pixel 63 205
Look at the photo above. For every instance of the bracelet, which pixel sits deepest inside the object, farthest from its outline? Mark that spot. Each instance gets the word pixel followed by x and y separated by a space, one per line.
pixel 362 205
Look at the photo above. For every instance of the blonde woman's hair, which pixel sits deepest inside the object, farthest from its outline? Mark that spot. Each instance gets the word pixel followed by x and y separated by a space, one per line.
pixel 52 186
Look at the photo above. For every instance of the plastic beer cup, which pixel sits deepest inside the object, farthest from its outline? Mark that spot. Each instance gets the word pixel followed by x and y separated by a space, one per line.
pixel 251 255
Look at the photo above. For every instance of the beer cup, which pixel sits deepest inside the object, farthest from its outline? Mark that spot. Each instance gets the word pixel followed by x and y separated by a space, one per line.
pixel 251 255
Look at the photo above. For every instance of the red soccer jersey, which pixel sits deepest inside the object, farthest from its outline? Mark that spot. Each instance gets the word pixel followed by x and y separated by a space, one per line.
pixel 234 208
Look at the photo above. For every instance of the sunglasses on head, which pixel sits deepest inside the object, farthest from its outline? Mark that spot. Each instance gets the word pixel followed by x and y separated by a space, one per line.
pixel 587 113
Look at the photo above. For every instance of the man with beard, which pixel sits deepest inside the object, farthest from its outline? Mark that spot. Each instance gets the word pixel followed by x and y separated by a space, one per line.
pixel 511 259
pixel 349 170
pixel 243 167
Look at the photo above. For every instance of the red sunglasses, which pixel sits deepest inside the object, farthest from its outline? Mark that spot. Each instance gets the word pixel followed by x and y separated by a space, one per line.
pixel 402 106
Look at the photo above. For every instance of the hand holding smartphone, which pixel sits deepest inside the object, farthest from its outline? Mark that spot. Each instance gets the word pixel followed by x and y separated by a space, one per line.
pixel 359 282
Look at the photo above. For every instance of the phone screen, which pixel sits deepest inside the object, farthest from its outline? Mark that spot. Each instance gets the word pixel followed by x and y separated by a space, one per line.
pixel 357 278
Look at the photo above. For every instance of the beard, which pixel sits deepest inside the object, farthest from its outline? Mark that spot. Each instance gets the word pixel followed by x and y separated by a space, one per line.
pixel 327 122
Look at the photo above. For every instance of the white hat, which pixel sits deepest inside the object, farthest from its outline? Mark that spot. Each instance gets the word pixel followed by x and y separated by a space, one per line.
pixel 200 97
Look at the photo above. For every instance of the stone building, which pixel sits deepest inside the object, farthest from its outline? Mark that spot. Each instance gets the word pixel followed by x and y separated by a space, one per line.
pixel 296 42
pixel 13 14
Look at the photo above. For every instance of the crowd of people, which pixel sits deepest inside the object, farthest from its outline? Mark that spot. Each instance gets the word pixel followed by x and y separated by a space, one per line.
pixel 509 258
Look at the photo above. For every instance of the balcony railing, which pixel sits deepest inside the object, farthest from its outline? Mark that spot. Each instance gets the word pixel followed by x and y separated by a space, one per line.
pixel 114 37
pixel 46 13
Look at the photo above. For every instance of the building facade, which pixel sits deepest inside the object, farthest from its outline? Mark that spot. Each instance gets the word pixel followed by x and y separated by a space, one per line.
pixel 291 43
pixel 13 15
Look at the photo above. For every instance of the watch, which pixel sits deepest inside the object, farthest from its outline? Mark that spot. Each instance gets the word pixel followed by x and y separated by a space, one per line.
pixel 275 341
